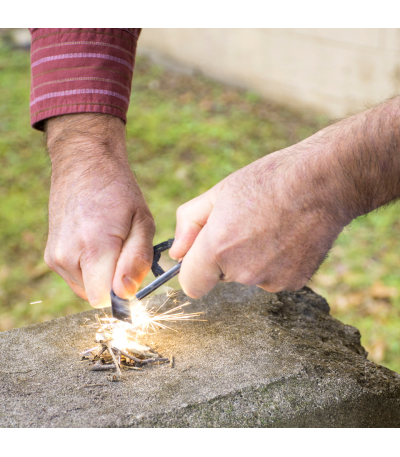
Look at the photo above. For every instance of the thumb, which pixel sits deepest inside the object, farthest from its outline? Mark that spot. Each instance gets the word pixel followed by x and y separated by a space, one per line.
pixel 136 256
pixel 200 271
pixel 190 219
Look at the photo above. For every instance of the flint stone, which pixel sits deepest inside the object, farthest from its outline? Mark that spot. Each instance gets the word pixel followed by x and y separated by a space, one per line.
pixel 260 360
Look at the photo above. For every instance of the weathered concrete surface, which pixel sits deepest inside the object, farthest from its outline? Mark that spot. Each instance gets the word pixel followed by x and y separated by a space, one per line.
pixel 260 360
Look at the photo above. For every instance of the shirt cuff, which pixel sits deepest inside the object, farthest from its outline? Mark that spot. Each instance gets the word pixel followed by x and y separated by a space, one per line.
pixel 81 71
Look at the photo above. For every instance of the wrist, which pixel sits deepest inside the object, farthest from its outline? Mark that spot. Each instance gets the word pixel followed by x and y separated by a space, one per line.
pixel 308 182
pixel 85 138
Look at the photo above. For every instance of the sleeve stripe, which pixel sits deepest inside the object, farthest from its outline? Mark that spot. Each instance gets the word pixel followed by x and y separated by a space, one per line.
pixel 79 104
pixel 66 93
pixel 126 76
pixel 78 43
pixel 81 55
pixel 83 78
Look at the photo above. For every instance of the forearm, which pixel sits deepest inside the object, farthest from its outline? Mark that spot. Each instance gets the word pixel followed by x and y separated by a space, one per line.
pixel 353 166
pixel 369 157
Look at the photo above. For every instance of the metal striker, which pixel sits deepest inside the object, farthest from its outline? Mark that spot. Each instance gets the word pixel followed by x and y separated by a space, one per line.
pixel 121 307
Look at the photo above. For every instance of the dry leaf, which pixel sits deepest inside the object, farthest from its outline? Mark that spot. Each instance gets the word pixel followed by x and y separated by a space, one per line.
pixel 379 290
pixel 325 280
pixel 377 307
pixel 377 351
pixel 349 301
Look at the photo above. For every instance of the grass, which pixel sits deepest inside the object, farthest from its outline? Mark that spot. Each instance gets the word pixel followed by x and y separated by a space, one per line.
pixel 185 133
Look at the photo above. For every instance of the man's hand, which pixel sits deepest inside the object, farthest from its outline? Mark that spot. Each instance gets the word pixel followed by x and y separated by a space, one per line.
pixel 264 225
pixel 100 228
pixel 273 222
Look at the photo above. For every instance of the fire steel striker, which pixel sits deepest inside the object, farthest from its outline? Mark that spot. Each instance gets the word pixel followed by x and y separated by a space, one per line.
pixel 121 307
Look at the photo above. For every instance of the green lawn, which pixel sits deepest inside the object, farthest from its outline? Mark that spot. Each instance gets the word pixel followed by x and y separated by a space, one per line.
pixel 184 135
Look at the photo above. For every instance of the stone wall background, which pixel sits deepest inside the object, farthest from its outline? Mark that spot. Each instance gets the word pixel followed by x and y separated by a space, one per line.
pixel 332 71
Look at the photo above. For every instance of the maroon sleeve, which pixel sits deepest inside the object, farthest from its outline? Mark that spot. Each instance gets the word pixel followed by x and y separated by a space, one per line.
pixel 81 71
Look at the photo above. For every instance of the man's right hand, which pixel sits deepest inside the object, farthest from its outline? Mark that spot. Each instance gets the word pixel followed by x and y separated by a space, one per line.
pixel 100 228
pixel 272 223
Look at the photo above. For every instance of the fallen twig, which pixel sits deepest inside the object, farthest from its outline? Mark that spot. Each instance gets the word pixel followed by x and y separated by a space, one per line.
pixel 99 366
pixel 114 358
pixel 101 350
pixel 142 353
pixel 159 360
pixel 88 352
pixel 108 355
pixel 128 356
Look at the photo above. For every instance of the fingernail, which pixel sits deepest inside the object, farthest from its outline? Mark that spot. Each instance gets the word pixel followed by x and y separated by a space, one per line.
pixel 130 284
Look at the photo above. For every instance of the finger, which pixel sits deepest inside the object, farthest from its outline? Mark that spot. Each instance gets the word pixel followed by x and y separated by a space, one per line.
pixel 62 262
pixel 69 277
pixel 199 272
pixel 62 258
pixel 98 269
pixel 190 219
pixel 77 290
pixel 273 289
pixel 136 257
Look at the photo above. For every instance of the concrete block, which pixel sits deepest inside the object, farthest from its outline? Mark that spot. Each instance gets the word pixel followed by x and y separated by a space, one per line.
pixel 260 360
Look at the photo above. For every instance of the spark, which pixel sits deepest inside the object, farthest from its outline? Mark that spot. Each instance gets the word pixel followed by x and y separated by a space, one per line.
pixel 35 302
pixel 146 319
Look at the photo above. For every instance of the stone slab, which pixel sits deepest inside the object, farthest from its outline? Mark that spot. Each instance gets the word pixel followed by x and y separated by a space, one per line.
pixel 260 360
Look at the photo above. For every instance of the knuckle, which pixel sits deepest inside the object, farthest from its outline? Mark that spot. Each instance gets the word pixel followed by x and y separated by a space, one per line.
pixel 181 211
pixel 60 256
pixel 143 213
pixel 143 258
pixel 150 225
pixel 93 248
pixel 89 254
pixel 49 259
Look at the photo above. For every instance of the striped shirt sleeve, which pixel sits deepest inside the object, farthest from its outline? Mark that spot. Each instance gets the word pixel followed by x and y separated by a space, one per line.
pixel 81 71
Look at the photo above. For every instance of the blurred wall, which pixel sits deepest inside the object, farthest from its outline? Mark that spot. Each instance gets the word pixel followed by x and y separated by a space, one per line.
pixel 333 71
